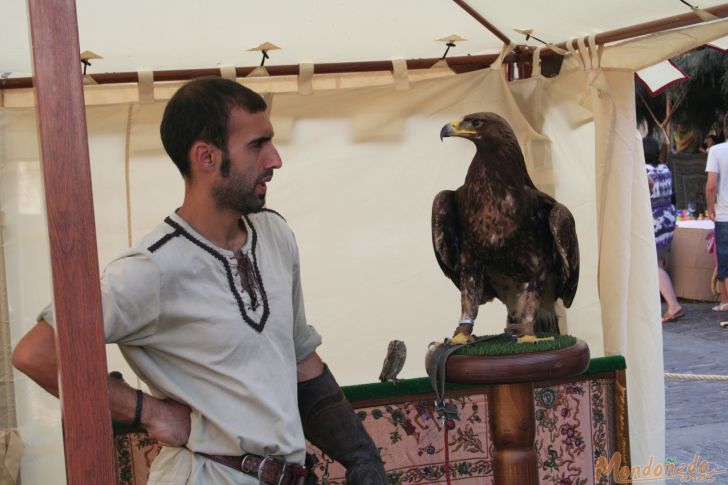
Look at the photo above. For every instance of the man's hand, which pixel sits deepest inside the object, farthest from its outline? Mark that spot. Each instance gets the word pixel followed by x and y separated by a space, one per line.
pixel 166 420
pixel 711 214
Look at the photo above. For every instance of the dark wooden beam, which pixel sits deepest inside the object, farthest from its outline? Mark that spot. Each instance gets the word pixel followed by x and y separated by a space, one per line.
pixel 459 64
pixel 482 21
pixel 64 152
pixel 653 26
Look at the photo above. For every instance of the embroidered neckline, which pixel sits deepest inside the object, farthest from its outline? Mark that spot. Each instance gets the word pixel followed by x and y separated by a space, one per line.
pixel 257 326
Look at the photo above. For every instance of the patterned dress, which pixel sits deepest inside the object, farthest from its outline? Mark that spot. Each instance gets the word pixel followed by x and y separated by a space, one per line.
pixel 663 212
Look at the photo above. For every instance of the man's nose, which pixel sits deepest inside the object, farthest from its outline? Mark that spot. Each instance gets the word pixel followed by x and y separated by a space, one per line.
pixel 273 158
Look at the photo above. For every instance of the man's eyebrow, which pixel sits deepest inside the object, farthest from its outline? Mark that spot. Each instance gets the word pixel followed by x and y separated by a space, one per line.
pixel 261 139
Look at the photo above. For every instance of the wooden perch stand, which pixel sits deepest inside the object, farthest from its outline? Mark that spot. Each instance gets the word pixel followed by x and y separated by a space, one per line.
pixel 511 411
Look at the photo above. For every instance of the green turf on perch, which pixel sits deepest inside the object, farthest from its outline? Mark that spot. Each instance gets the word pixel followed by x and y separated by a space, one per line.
pixel 500 347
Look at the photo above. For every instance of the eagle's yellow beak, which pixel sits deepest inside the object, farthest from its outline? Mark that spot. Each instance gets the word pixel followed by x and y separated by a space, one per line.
pixel 453 129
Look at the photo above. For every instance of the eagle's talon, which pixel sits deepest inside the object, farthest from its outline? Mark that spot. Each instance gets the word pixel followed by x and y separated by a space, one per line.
pixel 532 339
pixel 460 339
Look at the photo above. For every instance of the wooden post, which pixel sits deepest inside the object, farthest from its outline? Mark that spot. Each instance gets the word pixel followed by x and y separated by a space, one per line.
pixel 511 414
pixel 74 262
pixel 511 410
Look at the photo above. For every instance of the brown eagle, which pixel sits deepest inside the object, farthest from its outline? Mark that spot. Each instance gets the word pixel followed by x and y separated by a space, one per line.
pixel 498 236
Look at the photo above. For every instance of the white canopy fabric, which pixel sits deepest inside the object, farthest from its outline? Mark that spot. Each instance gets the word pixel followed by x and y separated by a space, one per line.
pixel 138 35
pixel 362 163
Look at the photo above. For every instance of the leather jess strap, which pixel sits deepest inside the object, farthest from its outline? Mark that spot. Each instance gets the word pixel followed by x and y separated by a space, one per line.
pixel 266 469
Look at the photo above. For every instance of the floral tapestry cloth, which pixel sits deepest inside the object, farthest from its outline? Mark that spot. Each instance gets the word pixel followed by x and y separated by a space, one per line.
pixel 574 428
pixel 575 425
pixel 134 455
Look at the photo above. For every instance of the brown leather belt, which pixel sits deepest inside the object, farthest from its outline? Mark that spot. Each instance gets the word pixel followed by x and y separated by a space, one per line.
pixel 266 469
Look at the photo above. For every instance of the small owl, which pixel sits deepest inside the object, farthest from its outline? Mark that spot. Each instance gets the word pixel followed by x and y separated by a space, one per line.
pixel 394 361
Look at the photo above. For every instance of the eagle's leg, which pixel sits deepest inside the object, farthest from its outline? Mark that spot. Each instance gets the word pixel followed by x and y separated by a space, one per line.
pixel 522 322
pixel 470 298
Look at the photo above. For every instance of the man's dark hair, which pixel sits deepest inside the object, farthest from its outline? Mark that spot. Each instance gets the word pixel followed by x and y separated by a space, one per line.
pixel 725 122
pixel 199 110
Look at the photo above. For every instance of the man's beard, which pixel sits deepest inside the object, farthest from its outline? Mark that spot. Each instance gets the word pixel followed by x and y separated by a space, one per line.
pixel 237 191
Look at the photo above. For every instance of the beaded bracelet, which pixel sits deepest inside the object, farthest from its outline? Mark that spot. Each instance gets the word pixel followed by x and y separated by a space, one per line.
pixel 138 411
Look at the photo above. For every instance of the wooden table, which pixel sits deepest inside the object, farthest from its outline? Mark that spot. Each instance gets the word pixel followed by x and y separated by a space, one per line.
pixel 690 265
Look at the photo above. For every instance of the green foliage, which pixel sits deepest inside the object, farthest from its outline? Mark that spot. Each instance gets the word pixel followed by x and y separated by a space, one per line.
pixel 701 101
pixel 706 93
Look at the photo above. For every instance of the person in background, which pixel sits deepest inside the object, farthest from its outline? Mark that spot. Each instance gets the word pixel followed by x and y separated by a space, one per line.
pixel 659 178
pixel 684 140
pixel 716 198
pixel 710 140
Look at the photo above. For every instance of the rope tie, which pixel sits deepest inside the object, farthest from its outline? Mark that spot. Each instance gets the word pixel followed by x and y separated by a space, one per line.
pixel 536 63
pixel 694 377
pixel 498 63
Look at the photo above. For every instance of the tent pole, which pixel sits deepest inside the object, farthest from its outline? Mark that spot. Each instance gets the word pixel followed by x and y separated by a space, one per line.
pixel 673 22
pixel 492 28
pixel 458 64
pixel 87 435
pixel 624 33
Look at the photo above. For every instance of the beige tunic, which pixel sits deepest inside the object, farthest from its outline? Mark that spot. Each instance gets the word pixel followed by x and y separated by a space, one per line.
pixel 176 306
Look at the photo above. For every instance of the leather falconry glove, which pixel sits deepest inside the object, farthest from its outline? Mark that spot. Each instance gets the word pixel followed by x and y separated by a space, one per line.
pixel 329 422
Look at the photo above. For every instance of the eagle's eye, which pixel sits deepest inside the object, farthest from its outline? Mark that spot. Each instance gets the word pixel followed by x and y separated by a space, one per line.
pixel 477 123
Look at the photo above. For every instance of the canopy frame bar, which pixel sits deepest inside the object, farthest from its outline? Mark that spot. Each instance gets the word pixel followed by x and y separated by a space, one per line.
pixel 459 64
pixel 482 21
pixel 651 27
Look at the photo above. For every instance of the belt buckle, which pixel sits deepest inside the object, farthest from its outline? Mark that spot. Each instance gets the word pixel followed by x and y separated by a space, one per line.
pixel 242 463
pixel 283 473
pixel 261 470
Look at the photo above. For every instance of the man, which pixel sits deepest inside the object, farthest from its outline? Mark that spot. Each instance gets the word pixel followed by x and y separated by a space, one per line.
pixel 208 311
pixel 716 195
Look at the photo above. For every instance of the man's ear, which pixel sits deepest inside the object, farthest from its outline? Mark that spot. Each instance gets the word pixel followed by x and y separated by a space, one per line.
pixel 204 157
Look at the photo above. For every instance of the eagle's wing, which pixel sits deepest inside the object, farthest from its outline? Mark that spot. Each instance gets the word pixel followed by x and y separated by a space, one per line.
pixel 446 234
pixel 561 224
